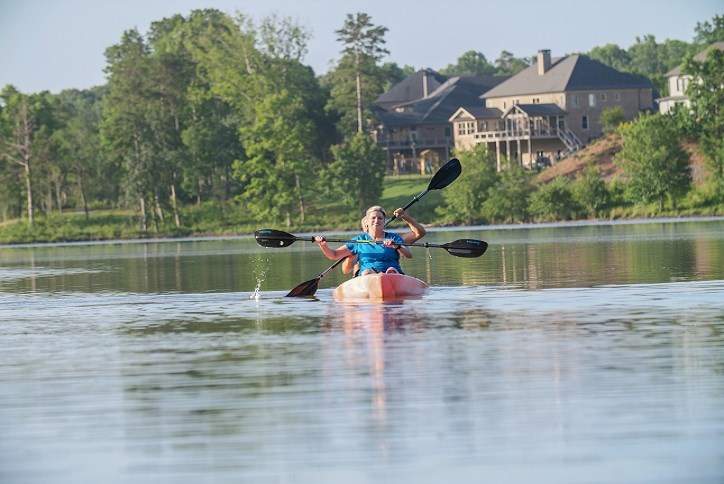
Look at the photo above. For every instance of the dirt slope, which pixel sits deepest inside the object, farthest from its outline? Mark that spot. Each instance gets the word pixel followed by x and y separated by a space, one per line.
pixel 602 152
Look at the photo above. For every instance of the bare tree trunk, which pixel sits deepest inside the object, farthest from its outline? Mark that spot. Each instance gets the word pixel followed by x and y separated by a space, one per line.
pixel 358 79
pixel 174 203
pixel 144 216
pixel 301 197
pixel 81 188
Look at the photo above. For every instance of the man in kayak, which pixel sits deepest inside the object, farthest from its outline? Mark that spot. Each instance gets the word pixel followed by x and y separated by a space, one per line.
pixel 373 256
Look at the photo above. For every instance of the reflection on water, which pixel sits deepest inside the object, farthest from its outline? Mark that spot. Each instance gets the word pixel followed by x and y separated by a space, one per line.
pixel 559 356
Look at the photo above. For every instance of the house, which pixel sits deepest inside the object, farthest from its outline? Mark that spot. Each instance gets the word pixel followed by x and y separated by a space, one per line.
pixel 549 110
pixel 679 81
pixel 414 126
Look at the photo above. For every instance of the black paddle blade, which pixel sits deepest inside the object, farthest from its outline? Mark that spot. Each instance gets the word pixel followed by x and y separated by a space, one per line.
pixel 274 238
pixel 466 248
pixel 446 175
pixel 305 289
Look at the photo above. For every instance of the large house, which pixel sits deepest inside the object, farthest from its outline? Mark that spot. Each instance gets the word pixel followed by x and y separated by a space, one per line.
pixel 679 81
pixel 414 126
pixel 549 110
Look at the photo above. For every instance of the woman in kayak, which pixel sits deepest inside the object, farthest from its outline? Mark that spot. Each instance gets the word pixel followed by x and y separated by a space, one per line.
pixel 374 257
pixel 415 233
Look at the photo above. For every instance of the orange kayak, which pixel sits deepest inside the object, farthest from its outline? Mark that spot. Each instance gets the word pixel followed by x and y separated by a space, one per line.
pixel 380 287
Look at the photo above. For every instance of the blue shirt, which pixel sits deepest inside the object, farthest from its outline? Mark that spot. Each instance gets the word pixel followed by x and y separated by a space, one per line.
pixel 376 256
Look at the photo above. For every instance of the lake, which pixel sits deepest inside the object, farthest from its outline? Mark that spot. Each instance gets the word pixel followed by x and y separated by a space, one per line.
pixel 581 352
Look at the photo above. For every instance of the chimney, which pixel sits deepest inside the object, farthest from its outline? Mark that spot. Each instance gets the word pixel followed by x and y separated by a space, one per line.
pixel 544 61
pixel 424 84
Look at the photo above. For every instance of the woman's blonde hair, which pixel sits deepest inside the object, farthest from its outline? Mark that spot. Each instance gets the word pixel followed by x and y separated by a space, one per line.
pixel 374 208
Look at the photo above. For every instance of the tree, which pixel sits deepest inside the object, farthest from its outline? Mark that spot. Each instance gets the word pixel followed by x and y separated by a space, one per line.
pixel 707 99
pixel 355 175
pixel 126 131
pixel 655 164
pixel 507 200
pixel 508 65
pixel 470 62
pixel 590 192
pixel 27 123
pixel 280 168
pixel 464 204
pixel 554 201
pixel 611 118
pixel 613 56
pixel 708 33
pixel 363 46
pixel 79 146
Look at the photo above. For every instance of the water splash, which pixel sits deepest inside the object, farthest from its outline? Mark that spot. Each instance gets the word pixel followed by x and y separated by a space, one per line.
pixel 256 294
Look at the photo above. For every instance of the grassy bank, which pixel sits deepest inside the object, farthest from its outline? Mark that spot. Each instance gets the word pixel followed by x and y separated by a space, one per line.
pixel 210 219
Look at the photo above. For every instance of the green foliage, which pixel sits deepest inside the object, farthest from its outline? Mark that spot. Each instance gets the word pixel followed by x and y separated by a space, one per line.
pixel 280 169
pixel 509 65
pixel 470 62
pixel 590 192
pixel 357 80
pixel 613 56
pixel 707 101
pixel 611 118
pixel 464 203
pixel 355 176
pixel 507 200
pixel 708 32
pixel 554 201
pixel 656 165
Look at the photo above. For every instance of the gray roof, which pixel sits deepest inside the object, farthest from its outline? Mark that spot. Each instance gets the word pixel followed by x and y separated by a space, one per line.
pixel 480 112
pixel 410 88
pixel 440 104
pixel 540 109
pixel 571 73
pixel 700 57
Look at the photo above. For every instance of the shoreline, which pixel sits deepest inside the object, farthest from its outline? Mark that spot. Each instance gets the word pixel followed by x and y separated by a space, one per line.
pixel 430 228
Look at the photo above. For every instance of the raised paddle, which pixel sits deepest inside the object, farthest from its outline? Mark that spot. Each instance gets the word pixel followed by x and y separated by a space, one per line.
pixel 447 174
pixel 459 248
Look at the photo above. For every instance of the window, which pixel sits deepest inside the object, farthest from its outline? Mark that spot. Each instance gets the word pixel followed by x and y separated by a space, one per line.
pixel 466 127
pixel 536 100
pixel 574 100
pixel 584 122
pixel 592 100
pixel 617 96
pixel 603 97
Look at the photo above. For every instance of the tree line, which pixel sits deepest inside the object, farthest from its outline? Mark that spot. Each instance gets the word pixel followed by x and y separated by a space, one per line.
pixel 213 108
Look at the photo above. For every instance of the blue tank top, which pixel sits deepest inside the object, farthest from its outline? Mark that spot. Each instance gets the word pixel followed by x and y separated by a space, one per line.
pixel 376 256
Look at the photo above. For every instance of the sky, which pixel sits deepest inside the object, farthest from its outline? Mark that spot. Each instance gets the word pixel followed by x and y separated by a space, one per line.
pixel 59 44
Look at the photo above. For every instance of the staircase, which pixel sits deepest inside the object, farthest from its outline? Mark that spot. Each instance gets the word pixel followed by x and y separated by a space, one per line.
pixel 571 141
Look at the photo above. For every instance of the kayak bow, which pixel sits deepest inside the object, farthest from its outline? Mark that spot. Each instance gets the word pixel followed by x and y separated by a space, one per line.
pixel 380 287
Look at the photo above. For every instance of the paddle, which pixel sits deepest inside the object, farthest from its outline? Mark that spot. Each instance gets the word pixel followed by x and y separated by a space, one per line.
pixel 459 248
pixel 447 174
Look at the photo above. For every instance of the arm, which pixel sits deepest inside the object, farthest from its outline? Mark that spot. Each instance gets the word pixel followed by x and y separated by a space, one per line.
pixel 417 231
pixel 348 264
pixel 331 254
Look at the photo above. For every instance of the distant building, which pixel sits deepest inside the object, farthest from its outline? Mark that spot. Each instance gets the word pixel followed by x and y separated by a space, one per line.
pixel 679 81
pixel 414 126
pixel 549 110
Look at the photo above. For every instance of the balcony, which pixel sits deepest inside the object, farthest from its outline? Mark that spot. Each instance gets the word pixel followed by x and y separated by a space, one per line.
pixel 417 144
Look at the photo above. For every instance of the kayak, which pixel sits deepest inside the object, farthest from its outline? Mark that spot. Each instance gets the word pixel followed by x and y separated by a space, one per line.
pixel 380 287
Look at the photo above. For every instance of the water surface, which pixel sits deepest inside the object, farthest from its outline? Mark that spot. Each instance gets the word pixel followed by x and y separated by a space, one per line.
pixel 567 353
